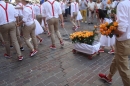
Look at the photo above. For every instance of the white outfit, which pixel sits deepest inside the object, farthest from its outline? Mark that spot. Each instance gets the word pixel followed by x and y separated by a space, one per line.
pixel 114 4
pixel 79 16
pixel 74 8
pixel 20 11
pixel 106 40
pixel 63 6
pixel 38 9
pixel 38 29
pixel 48 12
pixel 11 13
pixel 28 15
pixel 99 5
pixel 91 5
pixel 123 19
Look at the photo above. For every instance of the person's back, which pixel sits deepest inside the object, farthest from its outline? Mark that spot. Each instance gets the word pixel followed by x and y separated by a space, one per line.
pixel 55 12
pixel 124 21
pixel 11 13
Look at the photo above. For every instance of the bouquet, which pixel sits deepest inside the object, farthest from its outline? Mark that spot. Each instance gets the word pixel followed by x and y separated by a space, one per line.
pixel 108 29
pixel 86 37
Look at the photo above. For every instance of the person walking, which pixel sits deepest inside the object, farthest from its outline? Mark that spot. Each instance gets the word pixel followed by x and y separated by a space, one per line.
pixel 51 13
pixel 83 10
pixel 122 46
pixel 8 27
pixel 29 27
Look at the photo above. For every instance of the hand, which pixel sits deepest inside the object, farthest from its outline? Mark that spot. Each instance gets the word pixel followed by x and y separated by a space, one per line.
pixel 62 25
pixel 46 25
pixel 17 24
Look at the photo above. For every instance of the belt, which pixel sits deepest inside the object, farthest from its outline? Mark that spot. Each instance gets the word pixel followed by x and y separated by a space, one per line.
pixel 8 23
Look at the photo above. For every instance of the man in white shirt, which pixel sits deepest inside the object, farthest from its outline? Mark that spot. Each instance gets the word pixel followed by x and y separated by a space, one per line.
pixel 91 8
pixel 19 29
pixel 8 27
pixel 51 13
pixel 38 11
pixel 121 60
pixel 29 27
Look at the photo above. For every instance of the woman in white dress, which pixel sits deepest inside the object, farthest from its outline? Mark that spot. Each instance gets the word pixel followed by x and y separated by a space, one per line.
pixel 107 41
pixel 98 6
pixel 79 16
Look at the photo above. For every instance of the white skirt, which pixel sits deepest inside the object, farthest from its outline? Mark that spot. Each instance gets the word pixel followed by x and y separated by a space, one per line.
pixel 107 41
pixel 38 29
pixel 79 16
pixel 43 24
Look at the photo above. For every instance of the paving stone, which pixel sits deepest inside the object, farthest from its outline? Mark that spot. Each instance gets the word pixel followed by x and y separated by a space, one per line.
pixel 58 67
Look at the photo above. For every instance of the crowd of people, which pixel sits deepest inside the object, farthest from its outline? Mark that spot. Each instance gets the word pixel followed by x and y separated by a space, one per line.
pixel 28 19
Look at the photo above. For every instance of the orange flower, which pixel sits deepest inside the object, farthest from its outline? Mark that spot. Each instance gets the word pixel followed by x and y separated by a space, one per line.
pixel 108 2
pixel 105 28
pixel 106 23
pixel 115 24
pixel 95 26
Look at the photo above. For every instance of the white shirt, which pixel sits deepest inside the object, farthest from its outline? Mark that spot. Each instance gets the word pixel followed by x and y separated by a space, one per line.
pixel 63 6
pixel 74 8
pixel 123 19
pixel 20 11
pixel 38 9
pixel 91 5
pixel 104 3
pixel 11 13
pixel 99 5
pixel 48 11
pixel 114 4
pixel 28 16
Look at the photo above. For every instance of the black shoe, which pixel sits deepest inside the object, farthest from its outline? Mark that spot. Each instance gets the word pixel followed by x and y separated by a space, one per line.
pixel 91 23
pixel 22 49
pixel 11 46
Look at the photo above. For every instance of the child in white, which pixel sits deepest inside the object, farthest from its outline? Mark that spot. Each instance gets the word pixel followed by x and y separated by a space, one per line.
pixel 79 16
pixel 98 6
pixel 91 8
pixel 107 41
pixel 74 13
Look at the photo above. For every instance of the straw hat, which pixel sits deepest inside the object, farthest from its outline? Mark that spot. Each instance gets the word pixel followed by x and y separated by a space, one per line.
pixel 37 1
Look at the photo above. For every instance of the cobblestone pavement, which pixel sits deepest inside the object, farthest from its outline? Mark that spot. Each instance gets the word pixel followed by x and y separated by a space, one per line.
pixel 58 67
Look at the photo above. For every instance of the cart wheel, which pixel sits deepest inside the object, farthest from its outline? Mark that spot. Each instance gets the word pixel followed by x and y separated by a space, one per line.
pixel 98 53
pixel 74 51
pixel 90 57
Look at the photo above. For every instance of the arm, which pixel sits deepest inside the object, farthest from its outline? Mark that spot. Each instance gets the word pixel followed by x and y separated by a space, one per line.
pixel 61 16
pixel 44 15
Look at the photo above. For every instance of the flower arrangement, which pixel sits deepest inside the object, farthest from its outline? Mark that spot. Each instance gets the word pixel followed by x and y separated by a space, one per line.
pixel 86 37
pixel 108 29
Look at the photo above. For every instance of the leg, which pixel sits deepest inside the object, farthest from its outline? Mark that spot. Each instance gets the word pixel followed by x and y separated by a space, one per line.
pixel 85 14
pixel 51 29
pixel 56 30
pixel 1 38
pixel 14 38
pixel 18 36
pixel 33 36
pixel 26 35
pixel 4 32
